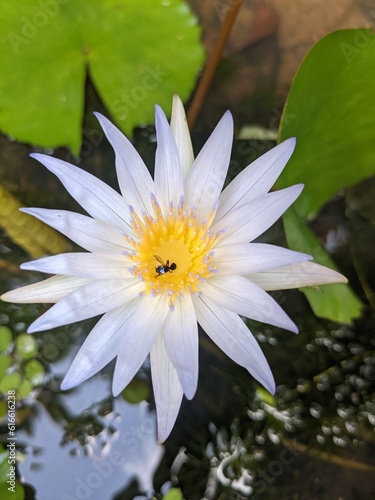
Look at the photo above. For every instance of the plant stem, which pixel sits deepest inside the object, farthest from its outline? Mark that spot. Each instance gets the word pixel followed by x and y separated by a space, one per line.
pixel 212 62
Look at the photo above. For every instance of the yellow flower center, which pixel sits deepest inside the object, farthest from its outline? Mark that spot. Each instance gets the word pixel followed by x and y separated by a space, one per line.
pixel 172 254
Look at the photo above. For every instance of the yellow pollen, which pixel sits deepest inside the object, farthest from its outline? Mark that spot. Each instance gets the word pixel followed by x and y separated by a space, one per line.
pixel 172 254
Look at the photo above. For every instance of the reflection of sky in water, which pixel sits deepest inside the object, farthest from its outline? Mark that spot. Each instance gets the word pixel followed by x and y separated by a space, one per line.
pixel 130 453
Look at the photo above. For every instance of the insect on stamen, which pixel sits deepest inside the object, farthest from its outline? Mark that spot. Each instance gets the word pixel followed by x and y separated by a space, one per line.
pixel 163 268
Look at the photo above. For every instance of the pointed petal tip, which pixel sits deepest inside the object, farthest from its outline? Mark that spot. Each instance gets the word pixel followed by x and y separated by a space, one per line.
pixel 10 296
pixel 163 433
pixel 13 296
pixel 158 110
pixel 176 101
pixel 272 388
pixel 190 391
pixel 336 278
pixel 67 384
pixel 26 210
pixel 291 142
pixel 321 275
pixel 32 329
pixel 294 190
pixel 38 156
pixel 5 297
pixel 292 327
pixel 178 110
pixel 228 119
pixel 160 118
pixel 296 330
pixel 116 388
pixel 24 266
pixel 160 439
pixel 99 117
pixel 39 325
pixel 103 120
pixel 106 125
pixel 268 383
pixel 340 277
pixel 188 381
pixel 327 276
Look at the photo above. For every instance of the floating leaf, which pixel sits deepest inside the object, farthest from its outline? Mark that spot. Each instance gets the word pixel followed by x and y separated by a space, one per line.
pixel 5 363
pixel 136 391
pixel 8 491
pixel 337 302
pixel 173 494
pixel 137 53
pixel 11 381
pixel 35 237
pixel 265 396
pixel 35 372
pixel 330 111
pixel 6 337
pixel 25 389
pixel 26 346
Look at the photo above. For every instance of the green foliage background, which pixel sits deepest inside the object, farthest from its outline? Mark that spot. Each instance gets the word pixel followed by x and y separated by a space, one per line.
pixel 331 111
pixel 137 53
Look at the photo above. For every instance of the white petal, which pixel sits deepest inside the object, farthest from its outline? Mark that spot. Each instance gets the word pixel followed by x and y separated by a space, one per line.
pixel 88 301
pixel 248 258
pixel 207 175
pixel 91 234
pixel 297 276
pixel 101 345
pixel 256 179
pixel 181 134
pixel 141 331
pixel 249 221
pixel 167 389
pixel 241 296
pixel 48 291
pixel 230 333
pixel 168 174
pixel 97 198
pixel 134 179
pixel 181 341
pixel 83 265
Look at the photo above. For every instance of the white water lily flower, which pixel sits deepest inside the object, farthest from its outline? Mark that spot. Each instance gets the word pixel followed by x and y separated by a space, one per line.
pixel 167 254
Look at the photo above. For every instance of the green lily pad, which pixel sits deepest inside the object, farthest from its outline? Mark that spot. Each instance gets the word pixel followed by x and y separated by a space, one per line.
pixel 330 112
pixel 24 389
pixel 26 346
pixel 265 396
pixel 8 491
pixel 173 494
pixel 35 372
pixel 337 302
pixel 5 363
pixel 3 413
pixel 137 53
pixel 6 337
pixel 6 494
pixel 136 391
pixel 9 382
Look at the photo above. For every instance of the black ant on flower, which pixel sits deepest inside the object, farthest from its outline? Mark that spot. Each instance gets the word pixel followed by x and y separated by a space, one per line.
pixel 163 268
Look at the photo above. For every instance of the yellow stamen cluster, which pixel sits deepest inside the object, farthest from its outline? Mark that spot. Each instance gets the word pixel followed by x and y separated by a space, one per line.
pixel 175 238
